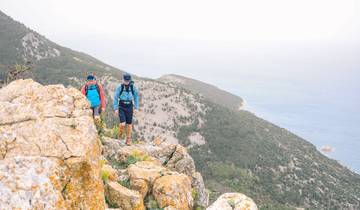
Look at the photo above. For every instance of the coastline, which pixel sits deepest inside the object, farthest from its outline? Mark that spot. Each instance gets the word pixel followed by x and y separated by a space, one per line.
pixel 247 107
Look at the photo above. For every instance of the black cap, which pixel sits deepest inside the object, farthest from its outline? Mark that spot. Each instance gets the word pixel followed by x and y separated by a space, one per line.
pixel 90 77
pixel 127 77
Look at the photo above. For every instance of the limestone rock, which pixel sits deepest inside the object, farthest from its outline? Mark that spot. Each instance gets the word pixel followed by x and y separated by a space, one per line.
pixel 117 151
pixel 233 201
pixel 123 197
pixel 173 156
pixel 143 174
pixel 49 149
pixel 163 158
pixel 173 192
pixel 181 161
pixel 202 197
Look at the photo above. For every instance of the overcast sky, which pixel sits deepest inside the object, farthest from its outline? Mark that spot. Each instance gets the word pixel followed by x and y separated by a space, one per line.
pixel 271 20
pixel 143 36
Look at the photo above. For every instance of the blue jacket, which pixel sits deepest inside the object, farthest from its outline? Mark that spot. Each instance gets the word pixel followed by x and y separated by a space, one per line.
pixel 126 96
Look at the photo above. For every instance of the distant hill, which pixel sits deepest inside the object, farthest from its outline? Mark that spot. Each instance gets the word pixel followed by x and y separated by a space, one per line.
pixel 51 62
pixel 211 92
pixel 233 149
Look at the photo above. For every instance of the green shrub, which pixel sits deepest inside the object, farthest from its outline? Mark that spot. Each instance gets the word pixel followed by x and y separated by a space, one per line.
pixel 151 203
pixel 125 183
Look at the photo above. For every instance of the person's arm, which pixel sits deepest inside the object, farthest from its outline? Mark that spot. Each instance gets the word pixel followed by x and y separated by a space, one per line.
pixel 102 97
pixel 116 99
pixel 136 98
pixel 83 90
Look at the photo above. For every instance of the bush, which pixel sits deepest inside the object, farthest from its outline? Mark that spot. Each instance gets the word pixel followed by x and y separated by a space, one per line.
pixel 125 183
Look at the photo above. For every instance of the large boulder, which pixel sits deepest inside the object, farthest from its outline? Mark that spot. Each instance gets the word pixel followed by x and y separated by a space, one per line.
pixel 49 149
pixel 123 197
pixel 173 192
pixel 143 174
pixel 233 201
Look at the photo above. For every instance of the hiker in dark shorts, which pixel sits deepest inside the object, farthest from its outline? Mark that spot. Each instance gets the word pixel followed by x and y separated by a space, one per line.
pixel 126 102
pixel 95 95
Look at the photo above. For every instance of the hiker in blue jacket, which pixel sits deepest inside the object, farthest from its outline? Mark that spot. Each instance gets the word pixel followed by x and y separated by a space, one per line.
pixel 126 102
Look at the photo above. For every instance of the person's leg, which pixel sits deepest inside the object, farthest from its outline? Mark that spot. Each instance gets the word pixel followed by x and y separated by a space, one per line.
pixel 121 130
pixel 96 112
pixel 92 110
pixel 122 123
pixel 129 116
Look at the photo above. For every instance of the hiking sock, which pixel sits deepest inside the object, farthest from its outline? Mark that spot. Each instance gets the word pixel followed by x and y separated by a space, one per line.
pixel 129 134
pixel 121 131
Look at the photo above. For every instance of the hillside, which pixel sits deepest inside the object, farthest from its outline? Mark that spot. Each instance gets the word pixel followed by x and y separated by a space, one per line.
pixel 51 63
pixel 234 150
pixel 210 92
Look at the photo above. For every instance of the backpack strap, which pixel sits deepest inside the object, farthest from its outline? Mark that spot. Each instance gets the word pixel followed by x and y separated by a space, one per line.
pixel 122 89
pixel 131 88
pixel 86 89
pixel 98 88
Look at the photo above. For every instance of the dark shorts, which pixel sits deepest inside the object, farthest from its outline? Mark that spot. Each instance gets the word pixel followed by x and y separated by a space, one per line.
pixel 126 112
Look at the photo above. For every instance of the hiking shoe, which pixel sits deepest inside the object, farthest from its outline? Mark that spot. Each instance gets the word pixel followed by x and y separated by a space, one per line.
pixel 128 141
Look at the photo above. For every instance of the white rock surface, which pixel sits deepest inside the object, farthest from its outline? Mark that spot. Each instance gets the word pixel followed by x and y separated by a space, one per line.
pixel 233 201
pixel 49 149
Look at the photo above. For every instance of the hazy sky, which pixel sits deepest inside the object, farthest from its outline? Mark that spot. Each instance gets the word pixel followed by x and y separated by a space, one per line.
pixel 269 20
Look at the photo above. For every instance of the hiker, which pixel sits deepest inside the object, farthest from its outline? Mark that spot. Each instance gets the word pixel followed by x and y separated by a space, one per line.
pixel 95 95
pixel 126 103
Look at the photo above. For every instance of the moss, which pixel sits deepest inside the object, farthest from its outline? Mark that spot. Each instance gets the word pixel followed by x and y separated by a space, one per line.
pixel 105 175
pixel 102 162
pixel 231 203
pixel 136 156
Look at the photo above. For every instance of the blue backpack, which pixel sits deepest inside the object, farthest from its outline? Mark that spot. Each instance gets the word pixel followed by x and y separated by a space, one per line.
pixel 92 93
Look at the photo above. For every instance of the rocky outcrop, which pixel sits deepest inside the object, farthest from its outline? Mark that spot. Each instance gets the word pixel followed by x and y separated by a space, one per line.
pixel 173 191
pixel 143 175
pixel 50 158
pixel 233 201
pixel 123 197
pixel 49 149
pixel 201 195
pixel 165 171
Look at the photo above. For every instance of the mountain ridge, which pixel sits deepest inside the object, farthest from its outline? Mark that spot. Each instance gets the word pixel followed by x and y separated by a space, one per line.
pixel 211 92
